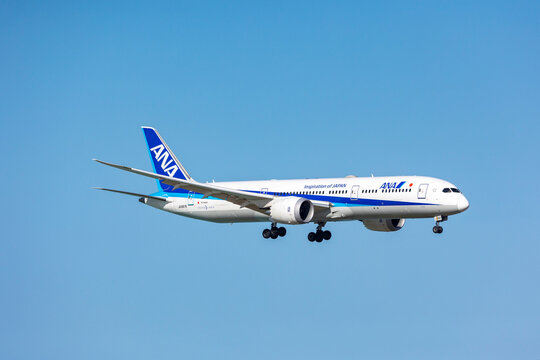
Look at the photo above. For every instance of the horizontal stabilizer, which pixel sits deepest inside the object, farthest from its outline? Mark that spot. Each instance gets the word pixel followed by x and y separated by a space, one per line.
pixel 132 194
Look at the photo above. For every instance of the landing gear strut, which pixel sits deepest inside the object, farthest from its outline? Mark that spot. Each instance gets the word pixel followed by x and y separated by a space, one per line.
pixel 274 232
pixel 437 229
pixel 319 235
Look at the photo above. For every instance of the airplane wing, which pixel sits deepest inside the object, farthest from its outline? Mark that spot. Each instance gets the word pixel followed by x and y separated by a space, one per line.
pixel 254 201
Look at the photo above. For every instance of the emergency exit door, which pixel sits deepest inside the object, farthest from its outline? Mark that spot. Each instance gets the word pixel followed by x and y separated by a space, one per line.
pixel 422 191
pixel 354 192
pixel 190 199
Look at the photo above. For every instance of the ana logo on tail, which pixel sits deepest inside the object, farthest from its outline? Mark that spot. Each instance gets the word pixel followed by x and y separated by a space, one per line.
pixel 162 157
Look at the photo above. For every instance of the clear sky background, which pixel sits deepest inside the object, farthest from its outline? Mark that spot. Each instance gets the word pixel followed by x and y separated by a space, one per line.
pixel 247 91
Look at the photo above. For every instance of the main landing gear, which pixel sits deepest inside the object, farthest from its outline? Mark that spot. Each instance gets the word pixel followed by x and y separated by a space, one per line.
pixel 437 229
pixel 274 232
pixel 319 235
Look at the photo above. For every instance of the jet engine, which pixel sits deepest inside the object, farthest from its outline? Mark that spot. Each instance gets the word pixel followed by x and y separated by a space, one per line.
pixel 384 224
pixel 292 210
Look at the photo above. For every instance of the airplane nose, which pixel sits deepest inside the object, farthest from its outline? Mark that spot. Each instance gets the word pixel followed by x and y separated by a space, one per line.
pixel 463 203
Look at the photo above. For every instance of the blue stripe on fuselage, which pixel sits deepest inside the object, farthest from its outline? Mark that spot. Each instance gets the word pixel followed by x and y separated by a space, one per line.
pixel 337 201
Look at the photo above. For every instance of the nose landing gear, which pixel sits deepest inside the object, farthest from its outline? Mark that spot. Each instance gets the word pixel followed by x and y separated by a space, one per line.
pixel 319 235
pixel 274 232
pixel 437 229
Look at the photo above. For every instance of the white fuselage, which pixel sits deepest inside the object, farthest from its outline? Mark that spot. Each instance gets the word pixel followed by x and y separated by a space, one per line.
pixel 352 198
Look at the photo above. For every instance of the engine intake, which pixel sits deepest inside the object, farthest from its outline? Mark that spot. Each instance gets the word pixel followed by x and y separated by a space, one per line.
pixel 292 210
pixel 384 224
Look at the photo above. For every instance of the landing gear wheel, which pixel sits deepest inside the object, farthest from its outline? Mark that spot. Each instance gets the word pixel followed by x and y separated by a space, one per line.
pixel 282 231
pixel 327 235
pixel 437 229
pixel 319 236
pixel 311 236
pixel 266 233
pixel 274 236
pixel 274 231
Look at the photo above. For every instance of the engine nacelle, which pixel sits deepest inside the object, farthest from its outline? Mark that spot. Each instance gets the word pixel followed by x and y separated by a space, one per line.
pixel 384 224
pixel 292 210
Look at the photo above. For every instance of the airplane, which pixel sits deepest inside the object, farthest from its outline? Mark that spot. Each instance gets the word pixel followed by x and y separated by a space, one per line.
pixel 380 203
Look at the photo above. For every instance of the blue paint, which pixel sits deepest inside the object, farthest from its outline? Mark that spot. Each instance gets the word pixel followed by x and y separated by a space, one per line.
pixel 337 201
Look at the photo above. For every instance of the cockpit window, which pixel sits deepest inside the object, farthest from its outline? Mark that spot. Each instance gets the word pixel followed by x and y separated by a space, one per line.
pixel 446 190
pixel 455 190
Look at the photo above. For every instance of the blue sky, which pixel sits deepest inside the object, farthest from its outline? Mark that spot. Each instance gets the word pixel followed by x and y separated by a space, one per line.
pixel 246 91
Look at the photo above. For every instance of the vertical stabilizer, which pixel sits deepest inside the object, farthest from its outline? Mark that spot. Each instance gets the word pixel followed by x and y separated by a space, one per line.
pixel 163 159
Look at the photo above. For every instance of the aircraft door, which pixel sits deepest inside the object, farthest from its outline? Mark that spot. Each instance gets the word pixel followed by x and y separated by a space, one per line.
pixel 422 191
pixel 190 199
pixel 354 192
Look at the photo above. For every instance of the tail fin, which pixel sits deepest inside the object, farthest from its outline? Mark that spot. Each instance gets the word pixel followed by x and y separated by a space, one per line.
pixel 163 159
